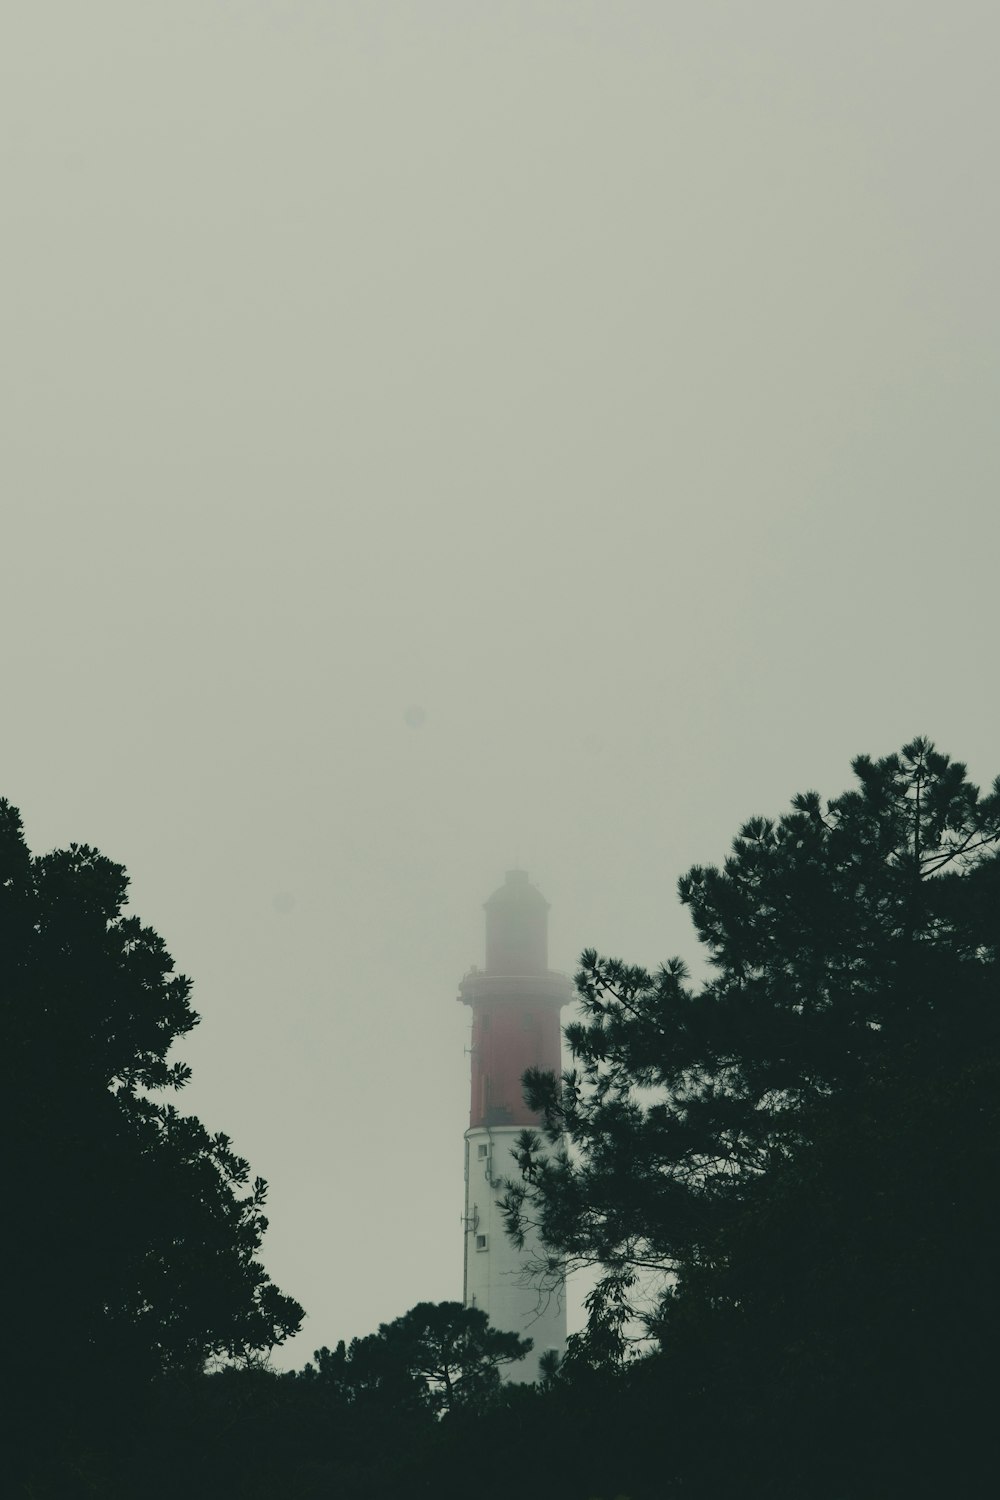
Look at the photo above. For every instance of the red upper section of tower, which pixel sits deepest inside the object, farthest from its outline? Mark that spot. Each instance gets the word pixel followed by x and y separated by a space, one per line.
pixel 515 1004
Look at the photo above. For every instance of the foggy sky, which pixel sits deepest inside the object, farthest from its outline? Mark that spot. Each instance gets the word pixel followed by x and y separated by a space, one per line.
pixel 614 382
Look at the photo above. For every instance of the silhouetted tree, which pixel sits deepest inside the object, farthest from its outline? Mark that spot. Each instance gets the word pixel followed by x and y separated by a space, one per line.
pixel 131 1233
pixel 809 1142
pixel 454 1350
pixel 844 939
pixel 441 1355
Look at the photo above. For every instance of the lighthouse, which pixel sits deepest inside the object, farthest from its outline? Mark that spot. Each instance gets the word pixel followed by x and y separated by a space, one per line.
pixel 515 1003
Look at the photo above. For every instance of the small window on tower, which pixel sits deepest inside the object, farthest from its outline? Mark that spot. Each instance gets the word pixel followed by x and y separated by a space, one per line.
pixel 482 1242
pixel 482 1152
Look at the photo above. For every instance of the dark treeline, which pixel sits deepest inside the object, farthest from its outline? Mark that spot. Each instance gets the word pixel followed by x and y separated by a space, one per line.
pixel 802 1153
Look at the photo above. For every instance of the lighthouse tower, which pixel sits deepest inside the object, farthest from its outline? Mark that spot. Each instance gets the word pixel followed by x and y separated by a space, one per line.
pixel 515 1006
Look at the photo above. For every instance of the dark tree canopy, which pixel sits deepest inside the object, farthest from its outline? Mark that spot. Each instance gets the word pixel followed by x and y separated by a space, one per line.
pixel 850 943
pixel 131 1233
pixel 807 1142
pixel 439 1355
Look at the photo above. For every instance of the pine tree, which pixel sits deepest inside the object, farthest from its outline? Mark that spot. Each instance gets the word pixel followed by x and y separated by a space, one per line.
pixel 848 942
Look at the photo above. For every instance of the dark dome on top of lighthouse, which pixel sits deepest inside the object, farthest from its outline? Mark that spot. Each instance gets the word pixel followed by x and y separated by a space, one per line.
pixel 517 923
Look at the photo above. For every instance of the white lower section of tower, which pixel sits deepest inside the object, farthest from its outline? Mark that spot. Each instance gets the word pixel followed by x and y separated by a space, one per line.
pixel 498 1276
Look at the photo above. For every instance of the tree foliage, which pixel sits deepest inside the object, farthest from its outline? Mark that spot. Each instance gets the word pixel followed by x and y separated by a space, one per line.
pixel 439 1355
pixel 847 942
pixel 807 1142
pixel 132 1232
